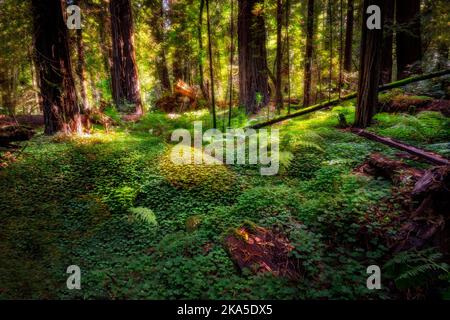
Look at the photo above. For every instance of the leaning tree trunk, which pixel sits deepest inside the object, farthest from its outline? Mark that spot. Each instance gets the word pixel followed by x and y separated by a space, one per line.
pixel 309 54
pixel 253 78
pixel 349 37
pixel 125 80
pixel 409 41
pixel 61 110
pixel 388 37
pixel 369 67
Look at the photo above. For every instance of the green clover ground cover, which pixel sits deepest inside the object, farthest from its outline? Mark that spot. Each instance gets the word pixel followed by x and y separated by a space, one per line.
pixel 111 204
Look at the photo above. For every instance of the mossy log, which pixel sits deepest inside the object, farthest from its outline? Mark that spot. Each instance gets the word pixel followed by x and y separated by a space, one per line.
pixel 336 101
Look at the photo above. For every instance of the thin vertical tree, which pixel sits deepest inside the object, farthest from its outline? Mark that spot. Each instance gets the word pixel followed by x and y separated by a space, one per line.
pixel 369 67
pixel 201 53
pixel 211 66
pixel 341 44
pixel 279 57
pixel 330 48
pixel 349 36
pixel 253 77
pixel 288 54
pixel 308 54
pixel 57 86
pixel 125 80
pixel 230 79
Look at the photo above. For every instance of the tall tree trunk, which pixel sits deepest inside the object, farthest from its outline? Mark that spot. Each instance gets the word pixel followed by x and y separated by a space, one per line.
pixel 330 30
pixel 200 46
pixel 157 29
pixel 309 54
pixel 388 37
pixel 288 53
pixel 349 37
pixel 341 44
pixel 61 110
pixel 279 57
pixel 253 78
pixel 369 67
pixel 80 69
pixel 409 40
pixel 125 80
pixel 211 67
pixel 230 79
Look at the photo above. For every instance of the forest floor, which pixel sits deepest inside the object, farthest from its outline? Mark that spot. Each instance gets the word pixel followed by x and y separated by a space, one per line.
pixel 106 203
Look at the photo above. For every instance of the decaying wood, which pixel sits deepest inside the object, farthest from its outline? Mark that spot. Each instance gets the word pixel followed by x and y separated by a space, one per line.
pixel 261 250
pixel 15 133
pixel 423 195
pixel 426 155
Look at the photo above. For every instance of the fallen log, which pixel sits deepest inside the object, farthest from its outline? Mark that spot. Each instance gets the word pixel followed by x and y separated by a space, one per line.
pixel 334 102
pixel 15 133
pixel 426 155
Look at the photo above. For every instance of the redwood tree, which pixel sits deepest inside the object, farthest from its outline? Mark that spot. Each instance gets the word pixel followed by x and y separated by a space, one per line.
pixel 57 87
pixel 125 81
pixel 369 67
pixel 388 37
pixel 309 54
pixel 157 30
pixel 349 37
pixel 278 96
pixel 253 78
pixel 409 44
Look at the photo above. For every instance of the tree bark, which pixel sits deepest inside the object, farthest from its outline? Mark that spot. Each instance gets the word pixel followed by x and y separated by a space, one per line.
pixel 211 67
pixel 253 78
pixel 80 69
pixel 349 37
pixel 157 29
pixel 125 80
pixel 57 87
pixel 200 46
pixel 388 37
pixel 369 67
pixel 308 54
pixel 409 40
pixel 279 57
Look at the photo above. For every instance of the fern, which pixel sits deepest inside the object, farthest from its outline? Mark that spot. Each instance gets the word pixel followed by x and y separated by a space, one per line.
pixel 416 268
pixel 144 215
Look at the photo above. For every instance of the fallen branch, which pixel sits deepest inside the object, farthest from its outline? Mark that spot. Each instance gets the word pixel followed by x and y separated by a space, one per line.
pixel 333 102
pixel 426 155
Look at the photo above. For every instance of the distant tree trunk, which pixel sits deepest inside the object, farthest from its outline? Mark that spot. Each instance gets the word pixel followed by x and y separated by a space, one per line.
pixel 309 54
pixel 279 57
pixel 230 79
pixel 200 45
pixel 211 68
pixel 388 37
pixel 288 54
pixel 409 40
pixel 80 69
pixel 330 30
pixel 341 44
pixel 8 87
pixel 253 78
pixel 369 67
pixel 125 81
pixel 61 110
pixel 157 29
pixel 349 37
